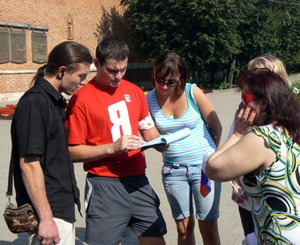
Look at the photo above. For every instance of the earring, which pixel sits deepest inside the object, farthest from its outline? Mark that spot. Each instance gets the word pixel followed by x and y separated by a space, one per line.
pixel 62 74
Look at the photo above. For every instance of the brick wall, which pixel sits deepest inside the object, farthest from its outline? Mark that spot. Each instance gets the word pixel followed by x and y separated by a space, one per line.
pixel 54 14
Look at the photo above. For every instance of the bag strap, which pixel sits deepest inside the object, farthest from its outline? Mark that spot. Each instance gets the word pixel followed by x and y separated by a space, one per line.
pixel 195 106
pixel 9 191
pixel 193 101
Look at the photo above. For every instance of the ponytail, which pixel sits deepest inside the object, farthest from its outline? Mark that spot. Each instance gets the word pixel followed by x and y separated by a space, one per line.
pixel 40 73
pixel 69 54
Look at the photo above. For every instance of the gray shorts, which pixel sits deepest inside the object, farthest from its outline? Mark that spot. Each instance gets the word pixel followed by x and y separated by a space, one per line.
pixel 113 204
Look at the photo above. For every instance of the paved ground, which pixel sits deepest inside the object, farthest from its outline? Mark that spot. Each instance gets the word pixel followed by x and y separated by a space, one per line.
pixel 225 101
pixel 295 78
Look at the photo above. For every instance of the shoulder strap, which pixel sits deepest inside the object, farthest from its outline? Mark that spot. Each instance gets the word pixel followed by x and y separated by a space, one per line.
pixel 9 191
pixel 193 101
pixel 195 106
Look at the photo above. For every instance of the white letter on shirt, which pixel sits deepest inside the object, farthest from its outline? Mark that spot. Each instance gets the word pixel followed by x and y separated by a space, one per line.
pixel 119 117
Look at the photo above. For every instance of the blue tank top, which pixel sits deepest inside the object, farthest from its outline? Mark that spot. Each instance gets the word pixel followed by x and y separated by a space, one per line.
pixel 188 151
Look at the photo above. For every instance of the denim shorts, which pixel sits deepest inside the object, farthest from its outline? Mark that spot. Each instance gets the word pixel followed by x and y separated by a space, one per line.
pixel 182 184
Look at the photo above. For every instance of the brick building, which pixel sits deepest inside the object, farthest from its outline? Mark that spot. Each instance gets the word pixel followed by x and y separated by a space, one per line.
pixel 30 29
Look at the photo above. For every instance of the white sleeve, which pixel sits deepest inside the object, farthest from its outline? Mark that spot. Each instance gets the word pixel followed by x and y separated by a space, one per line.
pixel 146 123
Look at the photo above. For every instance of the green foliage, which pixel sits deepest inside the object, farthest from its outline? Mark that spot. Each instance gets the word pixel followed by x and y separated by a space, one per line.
pixel 296 89
pixel 223 85
pixel 203 32
pixel 210 34
pixel 270 27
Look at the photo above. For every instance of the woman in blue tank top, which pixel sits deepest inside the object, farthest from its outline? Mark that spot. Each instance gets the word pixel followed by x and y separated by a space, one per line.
pixel 172 110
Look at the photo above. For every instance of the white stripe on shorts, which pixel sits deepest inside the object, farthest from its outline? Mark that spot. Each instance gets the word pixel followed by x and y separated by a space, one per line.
pixel 88 193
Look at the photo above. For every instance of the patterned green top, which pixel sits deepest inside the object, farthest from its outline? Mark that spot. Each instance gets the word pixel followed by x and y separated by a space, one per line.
pixel 275 192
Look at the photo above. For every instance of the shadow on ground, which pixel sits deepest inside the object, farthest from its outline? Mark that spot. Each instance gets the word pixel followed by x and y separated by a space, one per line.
pixel 21 240
pixel 129 237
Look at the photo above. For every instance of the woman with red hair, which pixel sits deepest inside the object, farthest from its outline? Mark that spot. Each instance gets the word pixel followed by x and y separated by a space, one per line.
pixel 267 156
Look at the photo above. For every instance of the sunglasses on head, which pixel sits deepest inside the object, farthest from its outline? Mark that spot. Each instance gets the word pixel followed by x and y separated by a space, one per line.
pixel 247 97
pixel 169 82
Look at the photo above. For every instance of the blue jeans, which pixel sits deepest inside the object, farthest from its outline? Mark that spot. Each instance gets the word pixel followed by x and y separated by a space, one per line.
pixel 182 183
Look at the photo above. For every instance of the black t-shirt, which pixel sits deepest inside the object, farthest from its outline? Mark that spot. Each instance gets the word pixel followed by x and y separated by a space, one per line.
pixel 38 128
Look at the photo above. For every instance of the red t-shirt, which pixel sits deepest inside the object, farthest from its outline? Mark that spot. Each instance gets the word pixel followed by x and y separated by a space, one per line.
pixel 98 115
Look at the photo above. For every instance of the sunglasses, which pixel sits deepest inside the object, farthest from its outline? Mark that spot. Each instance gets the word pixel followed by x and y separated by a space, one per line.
pixel 169 82
pixel 247 97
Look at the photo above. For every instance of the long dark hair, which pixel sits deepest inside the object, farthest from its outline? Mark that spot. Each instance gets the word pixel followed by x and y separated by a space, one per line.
pixel 69 54
pixel 283 108
pixel 171 63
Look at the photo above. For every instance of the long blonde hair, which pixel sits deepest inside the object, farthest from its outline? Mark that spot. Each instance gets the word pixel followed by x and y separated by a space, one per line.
pixel 272 63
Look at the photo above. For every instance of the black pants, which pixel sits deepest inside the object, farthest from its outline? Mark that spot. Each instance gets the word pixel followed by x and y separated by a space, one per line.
pixel 247 221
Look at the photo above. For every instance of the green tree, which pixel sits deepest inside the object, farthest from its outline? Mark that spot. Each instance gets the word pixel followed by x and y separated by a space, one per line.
pixel 212 34
pixel 203 32
pixel 269 27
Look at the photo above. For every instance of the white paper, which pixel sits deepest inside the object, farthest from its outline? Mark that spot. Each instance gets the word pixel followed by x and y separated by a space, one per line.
pixel 166 139
pixel 246 204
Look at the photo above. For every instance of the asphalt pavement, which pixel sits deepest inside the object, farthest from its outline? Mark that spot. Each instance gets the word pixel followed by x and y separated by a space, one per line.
pixel 225 102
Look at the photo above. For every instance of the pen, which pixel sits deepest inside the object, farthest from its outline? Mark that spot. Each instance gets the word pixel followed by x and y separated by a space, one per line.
pixel 234 187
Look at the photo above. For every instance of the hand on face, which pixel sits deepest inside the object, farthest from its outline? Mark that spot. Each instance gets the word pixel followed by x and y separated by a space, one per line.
pixel 244 119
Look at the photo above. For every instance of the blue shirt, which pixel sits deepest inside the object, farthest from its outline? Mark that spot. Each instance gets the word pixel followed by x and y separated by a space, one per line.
pixel 188 151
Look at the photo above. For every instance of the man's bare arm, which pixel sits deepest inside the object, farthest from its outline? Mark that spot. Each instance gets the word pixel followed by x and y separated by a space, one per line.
pixel 151 134
pixel 34 181
pixel 82 153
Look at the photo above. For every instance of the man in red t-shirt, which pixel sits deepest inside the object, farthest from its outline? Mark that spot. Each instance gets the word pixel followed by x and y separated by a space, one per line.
pixel 105 118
